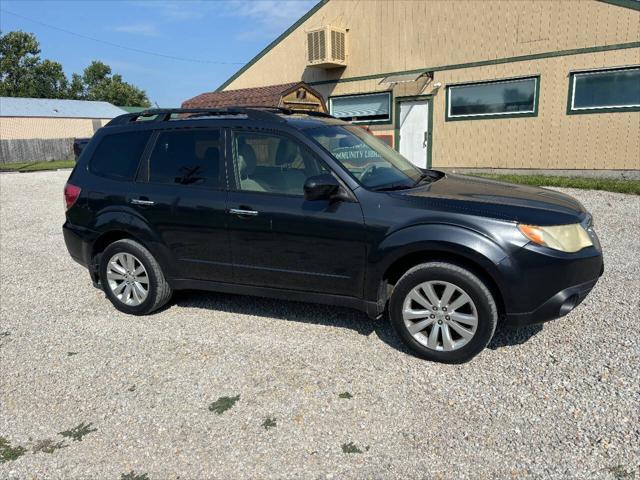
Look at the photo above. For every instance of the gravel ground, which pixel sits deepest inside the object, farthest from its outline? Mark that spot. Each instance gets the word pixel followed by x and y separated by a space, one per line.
pixel 560 401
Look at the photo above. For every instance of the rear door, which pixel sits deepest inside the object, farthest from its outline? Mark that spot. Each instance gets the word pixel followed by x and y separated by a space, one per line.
pixel 280 240
pixel 182 193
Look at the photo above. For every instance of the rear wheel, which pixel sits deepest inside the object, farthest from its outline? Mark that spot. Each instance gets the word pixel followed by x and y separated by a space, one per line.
pixel 132 279
pixel 443 312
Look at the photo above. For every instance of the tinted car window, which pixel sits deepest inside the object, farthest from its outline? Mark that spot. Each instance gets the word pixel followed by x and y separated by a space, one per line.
pixel 117 155
pixel 188 157
pixel 273 164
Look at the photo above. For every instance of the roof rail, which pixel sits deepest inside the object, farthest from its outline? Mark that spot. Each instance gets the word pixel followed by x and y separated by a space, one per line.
pixel 252 112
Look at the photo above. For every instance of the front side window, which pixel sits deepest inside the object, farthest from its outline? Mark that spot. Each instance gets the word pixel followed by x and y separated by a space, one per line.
pixel 188 157
pixel 117 155
pixel 604 90
pixel 375 107
pixel 273 163
pixel 493 99
pixel 369 160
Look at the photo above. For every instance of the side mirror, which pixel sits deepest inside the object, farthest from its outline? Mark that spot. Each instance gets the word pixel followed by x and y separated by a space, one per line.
pixel 321 187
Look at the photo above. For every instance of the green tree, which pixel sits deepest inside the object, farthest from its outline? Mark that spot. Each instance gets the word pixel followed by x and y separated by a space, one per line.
pixel 47 80
pixel 24 74
pixel 76 89
pixel 95 73
pixel 101 85
pixel 19 55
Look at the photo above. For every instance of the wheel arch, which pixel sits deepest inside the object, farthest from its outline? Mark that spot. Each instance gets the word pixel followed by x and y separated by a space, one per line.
pixel 107 238
pixel 403 264
pixel 118 225
pixel 445 243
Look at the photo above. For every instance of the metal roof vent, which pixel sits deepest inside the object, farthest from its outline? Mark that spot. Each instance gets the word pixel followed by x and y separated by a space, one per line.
pixel 326 48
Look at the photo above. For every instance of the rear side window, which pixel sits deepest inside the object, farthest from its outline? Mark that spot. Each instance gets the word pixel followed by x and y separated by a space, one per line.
pixel 187 157
pixel 117 155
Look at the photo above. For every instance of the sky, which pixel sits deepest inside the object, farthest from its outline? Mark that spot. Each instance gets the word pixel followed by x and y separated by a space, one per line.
pixel 211 39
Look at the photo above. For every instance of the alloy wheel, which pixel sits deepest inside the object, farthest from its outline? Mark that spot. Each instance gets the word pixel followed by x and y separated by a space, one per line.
pixel 440 315
pixel 127 278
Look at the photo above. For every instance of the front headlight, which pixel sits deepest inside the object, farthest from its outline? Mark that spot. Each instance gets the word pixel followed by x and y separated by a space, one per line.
pixel 566 238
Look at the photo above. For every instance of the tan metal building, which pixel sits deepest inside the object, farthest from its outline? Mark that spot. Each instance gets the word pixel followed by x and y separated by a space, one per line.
pixel 469 84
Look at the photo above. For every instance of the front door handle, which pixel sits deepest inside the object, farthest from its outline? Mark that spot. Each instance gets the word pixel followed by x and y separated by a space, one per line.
pixel 139 201
pixel 242 212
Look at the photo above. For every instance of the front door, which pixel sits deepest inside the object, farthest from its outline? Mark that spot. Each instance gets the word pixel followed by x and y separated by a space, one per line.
pixel 280 240
pixel 414 131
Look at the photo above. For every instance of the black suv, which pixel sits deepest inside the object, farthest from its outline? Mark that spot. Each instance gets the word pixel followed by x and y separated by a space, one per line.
pixel 303 206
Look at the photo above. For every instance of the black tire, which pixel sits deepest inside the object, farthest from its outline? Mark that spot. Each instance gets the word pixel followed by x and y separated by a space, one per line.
pixel 485 305
pixel 159 290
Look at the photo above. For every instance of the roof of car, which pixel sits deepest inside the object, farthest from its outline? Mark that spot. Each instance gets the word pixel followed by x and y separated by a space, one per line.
pixel 268 115
pixel 302 122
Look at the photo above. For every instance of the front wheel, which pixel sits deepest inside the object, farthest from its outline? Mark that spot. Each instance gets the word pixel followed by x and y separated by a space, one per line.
pixel 132 279
pixel 443 312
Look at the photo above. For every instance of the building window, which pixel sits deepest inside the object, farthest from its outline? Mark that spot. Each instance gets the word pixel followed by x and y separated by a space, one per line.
pixel 366 108
pixel 504 98
pixel 610 90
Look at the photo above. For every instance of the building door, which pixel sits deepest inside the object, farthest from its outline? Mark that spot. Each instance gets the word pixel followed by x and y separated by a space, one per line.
pixel 413 132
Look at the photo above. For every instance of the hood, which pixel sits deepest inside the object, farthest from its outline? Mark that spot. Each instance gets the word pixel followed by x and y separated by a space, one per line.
pixel 505 201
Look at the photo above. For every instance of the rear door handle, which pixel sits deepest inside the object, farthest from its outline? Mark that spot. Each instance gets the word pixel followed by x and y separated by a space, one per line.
pixel 139 201
pixel 242 212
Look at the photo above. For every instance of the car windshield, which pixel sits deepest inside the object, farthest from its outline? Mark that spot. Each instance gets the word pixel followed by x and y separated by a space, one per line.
pixel 371 161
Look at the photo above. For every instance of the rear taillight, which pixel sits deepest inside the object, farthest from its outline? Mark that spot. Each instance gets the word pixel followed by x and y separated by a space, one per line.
pixel 71 194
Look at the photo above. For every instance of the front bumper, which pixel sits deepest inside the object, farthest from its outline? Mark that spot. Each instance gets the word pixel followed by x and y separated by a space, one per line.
pixel 555 307
pixel 545 284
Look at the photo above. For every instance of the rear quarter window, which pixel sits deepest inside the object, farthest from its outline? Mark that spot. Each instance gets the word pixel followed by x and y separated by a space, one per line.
pixel 117 155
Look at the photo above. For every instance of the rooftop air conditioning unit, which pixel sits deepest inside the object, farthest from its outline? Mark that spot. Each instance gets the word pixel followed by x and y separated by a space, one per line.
pixel 326 48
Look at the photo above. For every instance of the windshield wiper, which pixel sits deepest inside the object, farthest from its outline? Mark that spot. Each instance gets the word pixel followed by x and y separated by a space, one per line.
pixel 422 177
pixel 397 186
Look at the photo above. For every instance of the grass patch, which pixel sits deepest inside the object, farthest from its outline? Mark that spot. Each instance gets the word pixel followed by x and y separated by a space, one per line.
pixel 9 453
pixel 76 433
pixel 36 166
pixel 621 473
pixel 269 423
pixel 134 476
pixel 352 448
pixel 223 404
pixel 607 184
pixel 345 395
pixel 47 446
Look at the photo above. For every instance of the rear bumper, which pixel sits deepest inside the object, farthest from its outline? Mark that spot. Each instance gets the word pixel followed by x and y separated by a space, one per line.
pixel 79 241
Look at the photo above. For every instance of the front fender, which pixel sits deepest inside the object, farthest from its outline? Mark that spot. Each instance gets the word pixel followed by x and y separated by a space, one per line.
pixel 433 239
